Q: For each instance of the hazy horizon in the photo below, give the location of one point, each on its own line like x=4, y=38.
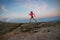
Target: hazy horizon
x=20, y=9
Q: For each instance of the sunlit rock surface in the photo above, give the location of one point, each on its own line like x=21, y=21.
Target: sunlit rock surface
x=30, y=31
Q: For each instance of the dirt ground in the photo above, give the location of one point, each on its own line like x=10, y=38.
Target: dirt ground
x=44, y=33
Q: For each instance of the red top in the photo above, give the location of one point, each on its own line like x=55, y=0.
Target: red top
x=31, y=13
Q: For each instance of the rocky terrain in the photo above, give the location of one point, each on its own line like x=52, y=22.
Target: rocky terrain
x=30, y=31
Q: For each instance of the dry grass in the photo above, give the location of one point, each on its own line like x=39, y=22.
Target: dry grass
x=29, y=31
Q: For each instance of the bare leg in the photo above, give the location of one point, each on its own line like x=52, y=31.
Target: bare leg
x=30, y=20
x=34, y=20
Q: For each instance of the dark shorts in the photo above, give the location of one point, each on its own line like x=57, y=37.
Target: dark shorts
x=31, y=16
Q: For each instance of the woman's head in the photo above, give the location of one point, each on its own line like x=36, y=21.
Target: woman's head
x=31, y=11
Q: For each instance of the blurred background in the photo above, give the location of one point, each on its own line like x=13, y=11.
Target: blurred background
x=17, y=11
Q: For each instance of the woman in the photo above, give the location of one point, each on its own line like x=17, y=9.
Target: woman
x=32, y=15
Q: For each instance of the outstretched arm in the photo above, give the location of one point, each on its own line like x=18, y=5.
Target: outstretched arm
x=34, y=15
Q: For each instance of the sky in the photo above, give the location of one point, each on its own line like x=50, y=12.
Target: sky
x=16, y=9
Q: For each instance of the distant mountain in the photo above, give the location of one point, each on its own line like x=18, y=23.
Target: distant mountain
x=53, y=19
x=20, y=20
